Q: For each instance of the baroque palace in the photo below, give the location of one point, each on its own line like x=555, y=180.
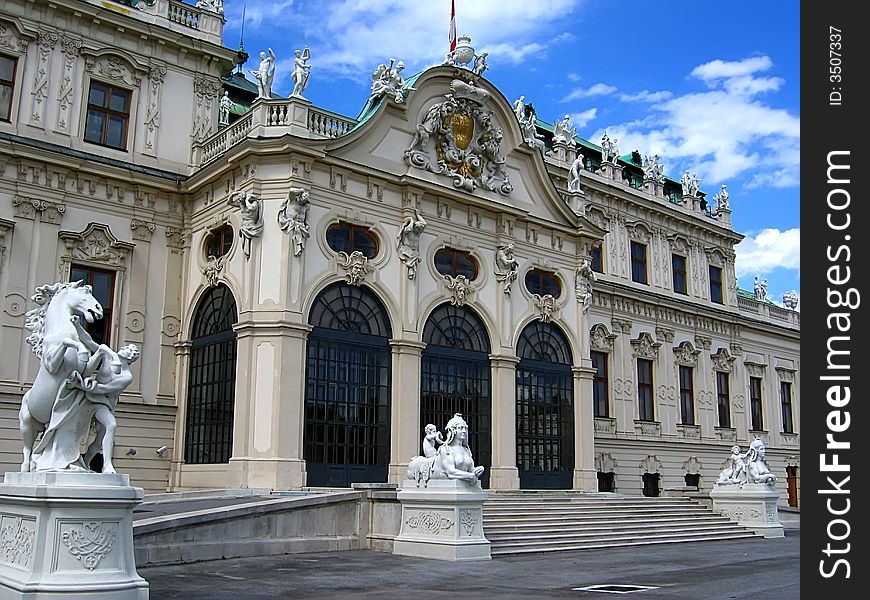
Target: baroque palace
x=309, y=290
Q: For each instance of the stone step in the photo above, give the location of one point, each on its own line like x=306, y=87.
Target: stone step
x=544, y=528
x=498, y=550
x=605, y=533
x=556, y=521
x=598, y=514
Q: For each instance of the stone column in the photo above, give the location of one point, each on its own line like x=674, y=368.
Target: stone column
x=585, y=475
x=182, y=366
x=406, y=433
x=504, y=474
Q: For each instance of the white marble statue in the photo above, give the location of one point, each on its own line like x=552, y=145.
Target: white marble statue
x=653, y=169
x=756, y=465
x=224, y=109
x=56, y=405
x=251, y=208
x=388, y=80
x=506, y=266
x=564, y=131
x=480, y=64
x=735, y=472
x=431, y=440
x=528, y=119
x=690, y=183
x=722, y=198
x=301, y=71
x=575, y=172
x=760, y=289
x=609, y=148
x=215, y=6
x=293, y=217
x=408, y=242
x=265, y=75
x=583, y=278
x=451, y=460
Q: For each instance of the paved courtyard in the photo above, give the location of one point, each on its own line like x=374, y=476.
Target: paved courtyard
x=730, y=570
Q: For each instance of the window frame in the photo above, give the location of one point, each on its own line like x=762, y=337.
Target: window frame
x=597, y=262
x=645, y=390
x=220, y=231
x=716, y=285
x=787, y=403
x=600, y=384
x=683, y=272
x=11, y=85
x=455, y=270
x=541, y=274
x=353, y=228
x=687, y=394
x=108, y=112
x=723, y=398
x=107, y=323
x=756, y=403
x=639, y=263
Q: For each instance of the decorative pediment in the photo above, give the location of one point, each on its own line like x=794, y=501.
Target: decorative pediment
x=13, y=38
x=755, y=369
x=646, y=347
x=597, y=216
x=96, y=244
x=686, y=355
x=638, y=231
x=692, y=465
x=605, y=463
x=722, y=360
x=457, y=138
x=715, y=256
x=600, y=338
x=785, y=374
x=113, y=67
x=679, y=244
x=651, y=464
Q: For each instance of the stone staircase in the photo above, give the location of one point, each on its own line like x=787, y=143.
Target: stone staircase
x=545, y=521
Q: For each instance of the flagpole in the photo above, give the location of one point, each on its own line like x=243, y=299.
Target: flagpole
x=451, y=34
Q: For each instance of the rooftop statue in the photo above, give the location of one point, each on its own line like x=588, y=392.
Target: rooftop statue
x=528, y=119
x=722, y=199
x=690, y=184
x=609, y=148
x=388, y=80
x=215, y=6
x=301, y=71
x=451, y=459
x=224, y=109
x=564, y=131
x=653, y=169
x=265, y=74
x=480, y=64
x=575, y=172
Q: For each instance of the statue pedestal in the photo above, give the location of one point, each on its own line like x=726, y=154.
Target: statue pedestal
x=752, y=505
x=443, y=521
x=68, y=535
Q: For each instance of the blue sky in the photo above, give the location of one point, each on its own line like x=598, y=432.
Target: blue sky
x=710, y=86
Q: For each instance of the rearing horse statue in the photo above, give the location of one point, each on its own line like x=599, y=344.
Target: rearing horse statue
x=56, y=342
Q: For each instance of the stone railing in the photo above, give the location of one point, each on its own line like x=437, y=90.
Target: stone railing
x=185, y=14
x=187, y=19
x=766, y=310
x=273, y=118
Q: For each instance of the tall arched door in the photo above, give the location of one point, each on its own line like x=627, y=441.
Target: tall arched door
x=347, y=391
x=456, y=377
x=545, y=413
x=211, y=381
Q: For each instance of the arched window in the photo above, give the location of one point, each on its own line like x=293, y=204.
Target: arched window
x=545, y=408
x=347, y=237
x=449, y=261
x=543, y=283
x=347, y=391
x=456, y=377
x=208, y=437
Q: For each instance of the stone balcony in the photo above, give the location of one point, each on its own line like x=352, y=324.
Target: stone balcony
x=769, y=312
x=273, y=118
x=175, y=15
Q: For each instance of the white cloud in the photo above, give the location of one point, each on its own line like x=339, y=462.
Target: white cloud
x=723, y=132
x=581, y=119
x=646, y=96
x=769, y=249
x=720, y=69
x=599, y=89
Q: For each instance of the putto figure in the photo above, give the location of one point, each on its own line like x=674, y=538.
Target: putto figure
x=451, y=460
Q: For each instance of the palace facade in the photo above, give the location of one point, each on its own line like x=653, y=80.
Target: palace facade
x=309, y=290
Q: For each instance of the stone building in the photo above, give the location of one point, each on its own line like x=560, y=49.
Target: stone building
x=309, y=290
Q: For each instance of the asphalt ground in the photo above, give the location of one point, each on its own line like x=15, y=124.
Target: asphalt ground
x=753, y=569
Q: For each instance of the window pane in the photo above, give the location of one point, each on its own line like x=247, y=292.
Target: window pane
x=98, y=95
x=116, y=134
x=102, y=283
x=120, y=101
x=7, y=68
x=338, y=237
x=5, y=102
x=596, y=260
x=94, y=127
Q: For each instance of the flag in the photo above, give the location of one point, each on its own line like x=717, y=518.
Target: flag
x=452, y=33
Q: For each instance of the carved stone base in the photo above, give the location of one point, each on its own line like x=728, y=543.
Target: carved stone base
x=68, y=535
x=752, y=505
x=443, y=521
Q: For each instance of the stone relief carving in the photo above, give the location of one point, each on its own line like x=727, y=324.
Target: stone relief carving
x=468, y=519
x=755, y=370
x=545, y=305
x=251, y=209
x=429, y=522
x=156, y=75
x=651, y=464
x=583, y=278
x=114, y=69
x=408, y=242
x=17, y=535
x=177, y=237
x=692, y=465
x=600, y=339
x=293, y=217
x=686, y=355
x=10, y=41
x=356, y=264
x=142, y=230
x=213, y=269
x=90, y=541
x=458, y=138
x=205, y=93
x=28, y=208
x=41, y=79
x=645, y=347
x=459, y=288
x=786, y=375
x=452, y=459
x=506, y=266
x=605, y=463
x=70, y=48
x=96, y=244
x=722, y=360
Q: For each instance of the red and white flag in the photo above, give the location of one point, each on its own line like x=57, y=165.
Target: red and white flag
x=452, y=33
